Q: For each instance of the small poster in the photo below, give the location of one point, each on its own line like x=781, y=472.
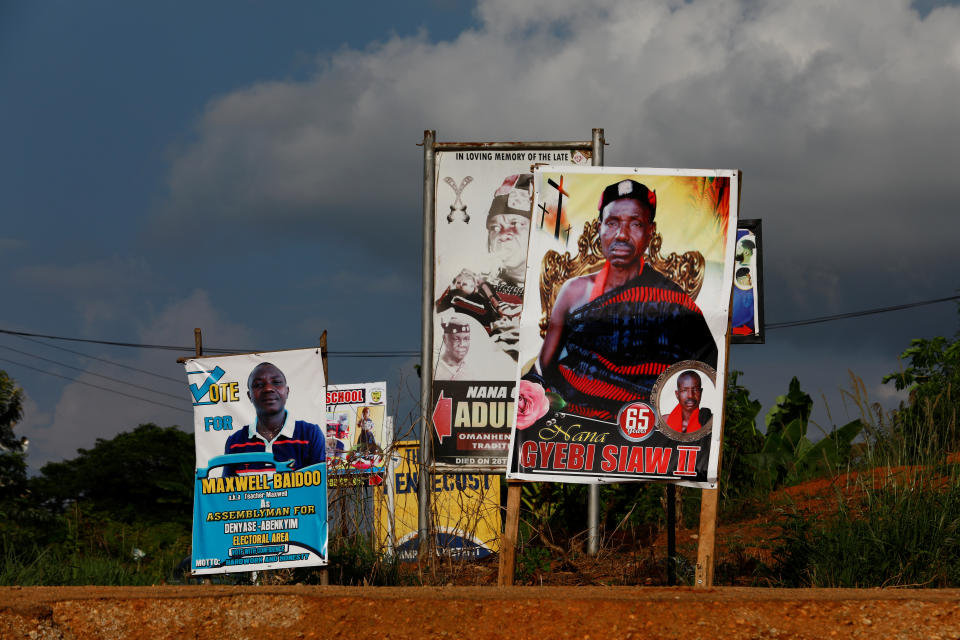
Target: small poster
x=260, y=495
x=356, y=432
x=746, y=315
x=624, y=326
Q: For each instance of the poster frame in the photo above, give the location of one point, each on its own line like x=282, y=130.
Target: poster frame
x=427, y=380
x=712, y=468
x=430, y=148
x=219, y=460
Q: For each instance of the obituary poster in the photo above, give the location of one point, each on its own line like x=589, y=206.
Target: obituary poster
x=624, y=327
x=746, y=316
x=483, y=216
x=260, y=488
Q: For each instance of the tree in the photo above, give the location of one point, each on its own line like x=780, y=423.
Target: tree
x=928, y=423
x=13, y=466
x=144, y=475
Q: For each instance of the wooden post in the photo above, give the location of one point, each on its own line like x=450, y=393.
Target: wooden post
x=707, y=541
x=671, y=535
x=324, y=572
x=198, y=351
x=323, y=357
x=508, y=543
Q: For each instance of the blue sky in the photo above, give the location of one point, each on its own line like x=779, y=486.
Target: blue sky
x=251, y=168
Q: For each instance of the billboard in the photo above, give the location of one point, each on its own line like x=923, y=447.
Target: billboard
x=483, y=215
x=356, y=433
x=466, y=510
x=746, y=314
x=624, y=327
x=260, y=494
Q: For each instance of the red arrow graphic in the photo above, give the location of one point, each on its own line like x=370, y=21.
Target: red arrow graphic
x=443, y=416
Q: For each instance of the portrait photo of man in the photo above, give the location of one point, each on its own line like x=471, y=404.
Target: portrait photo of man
x=688, y=415
x=274, y=430
x=454, y=350
x=613, y=332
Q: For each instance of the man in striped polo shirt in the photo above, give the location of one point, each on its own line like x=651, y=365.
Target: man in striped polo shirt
x=612, y=333
x=275, y=430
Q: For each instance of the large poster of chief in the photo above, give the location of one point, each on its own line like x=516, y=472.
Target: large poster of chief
x=624, y=327
x=260, y=495
x=483, y=219
x=356, y=431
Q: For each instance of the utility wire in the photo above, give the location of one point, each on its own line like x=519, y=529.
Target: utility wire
x=112, y=362
x=410, y=353
x=350, y=354
x=108, y=342
x=118, y=381
x=857, y=314
x=406, y=353
x=96, y=386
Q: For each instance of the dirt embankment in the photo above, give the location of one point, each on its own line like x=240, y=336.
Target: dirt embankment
x=475, y=613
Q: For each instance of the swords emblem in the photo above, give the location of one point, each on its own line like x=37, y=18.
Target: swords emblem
x=458, y=207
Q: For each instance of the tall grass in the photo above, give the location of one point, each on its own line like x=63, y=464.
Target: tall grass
x=87, y=549
x=898, y=519
x=55, y=566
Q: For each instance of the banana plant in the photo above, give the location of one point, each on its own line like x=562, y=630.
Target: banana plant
x=788, y=455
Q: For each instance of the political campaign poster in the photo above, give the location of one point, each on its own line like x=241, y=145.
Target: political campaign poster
x=465, y=510
x=483, y=216
x=356, y=433
x=624, y=327
x=260, y=488
x=746, y=314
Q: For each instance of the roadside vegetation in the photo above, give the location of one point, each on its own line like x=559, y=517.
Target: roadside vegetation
x=871, y=502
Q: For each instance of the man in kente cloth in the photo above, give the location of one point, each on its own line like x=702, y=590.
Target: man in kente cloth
x=611, y=333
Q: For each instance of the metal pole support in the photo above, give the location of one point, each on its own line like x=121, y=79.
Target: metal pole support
x=593, y=502
x=426, y=343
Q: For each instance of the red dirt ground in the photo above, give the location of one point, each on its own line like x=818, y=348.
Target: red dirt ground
x=591, y=609
x=474, y=613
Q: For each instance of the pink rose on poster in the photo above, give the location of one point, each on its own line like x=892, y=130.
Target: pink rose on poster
x=532, y=403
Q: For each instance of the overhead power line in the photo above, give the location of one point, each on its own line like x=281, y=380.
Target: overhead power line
x=404, y=353
x=857, y=314
x=105, y=360
x=410, y=353
x=68, y=366
x=348, y=354
x=96, y=386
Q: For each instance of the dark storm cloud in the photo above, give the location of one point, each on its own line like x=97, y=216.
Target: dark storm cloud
x=841, y=116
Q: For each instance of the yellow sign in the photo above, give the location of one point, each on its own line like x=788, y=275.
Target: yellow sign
x=465, y=509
